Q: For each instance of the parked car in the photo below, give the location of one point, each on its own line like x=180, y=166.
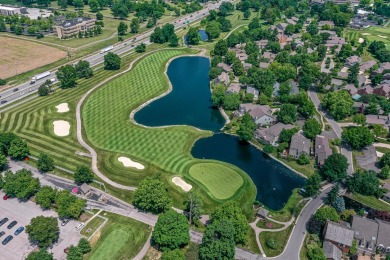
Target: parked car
x=64, y=222
x=5, y=197
x=2, y=233
x=7, y=239
x=18, y=231
x=3, y=221
x=12, y=224
x=80, y=226
x=66, y=250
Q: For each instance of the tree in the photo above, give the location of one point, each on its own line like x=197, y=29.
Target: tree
x=365, y=183
x=379, y=130
x=333, y=194
x=83, y=175
x=218, y=95
x=193, y=36
x=303, y=159
x=99, y=16
x=335, y=167
x=134, y=25
x=247, y=14
x=268, y=149
x=43, y=231
x=316, y=253
x=43, y=90
x=120, y=10
x=18, y=149
x=384, y=173
x=78, y=3
x=359, y=119
x=68, y=205
x=45, y=163
x=3, y=161
x=311, y=128
x=122, y=28
x=385, y=160
x=151, y=195
x=84, y=246
x=313, y=185
x=238, y=68
x=21, y=184
x=218, y=241
x=173, y=42
x=221, y=48
x=45, y=197
x=347, y=214
x=287, y=114
x=176, y=254
x=94, y=5
x=286, y=134
x=226, y=8
x=213, y=30
x=171, y=231
x=63, y=4
x=358, y=137
x=339, y=104
x=140, y=48
x=83, y=69
x=339, y=204
x=193, y=205
x=112, y=61
x=42, y=254
x=67, y=76
x=232, y=212
x=247, y=128
x=231, y=101
x=74, y=253
x=312, y=28
x=326, y=213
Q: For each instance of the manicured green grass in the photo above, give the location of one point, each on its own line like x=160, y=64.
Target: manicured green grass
x=280, y=238
x=264, y=224
x=292, y=207
x=222, y=182
x=371, y=201
x=374, y=33
x=251, y=243
x=93, y=225
x=120, y=238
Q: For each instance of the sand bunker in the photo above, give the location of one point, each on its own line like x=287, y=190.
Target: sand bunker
x=379, y=154
x=127, y=162
x=361, y=40
x=61, y=128
x=182, y=184
x=62, y=108
x=366, y=33
x=382, y=36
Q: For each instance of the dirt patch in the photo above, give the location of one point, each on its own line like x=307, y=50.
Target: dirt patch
x=93, y=240
x=18, y=56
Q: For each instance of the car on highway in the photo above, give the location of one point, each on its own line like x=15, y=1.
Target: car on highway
x=3, y=221
x=15, y=89
x=7, y=239
x=18, y=231
x=3, y=102
x=12, y=224
x=2, y=233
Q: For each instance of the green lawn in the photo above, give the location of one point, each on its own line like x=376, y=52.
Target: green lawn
x=120, y=238
x=280, y=238
x=371, y=201
x=268, y=224
x=222, y=182
x=292, y=207
x=92, y=225
x=373, y=33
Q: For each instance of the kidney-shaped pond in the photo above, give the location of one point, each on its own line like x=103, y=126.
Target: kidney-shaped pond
x=189, y=104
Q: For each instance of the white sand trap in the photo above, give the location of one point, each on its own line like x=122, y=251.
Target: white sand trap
x=366, y=34
x=127, y=162
x=62, y=108
x=182, y=184
x=61, y=128
x=385, y=37
x=361, y=40
x=379, y=154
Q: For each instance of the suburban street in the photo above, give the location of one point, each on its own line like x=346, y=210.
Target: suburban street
x=20, y=91
x=346, y=151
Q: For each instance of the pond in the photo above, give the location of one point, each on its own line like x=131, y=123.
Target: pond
x=203, y=36
x=189, y=104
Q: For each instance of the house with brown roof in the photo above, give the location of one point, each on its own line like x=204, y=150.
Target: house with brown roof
x=261, y=114
x=299, y=145
x=224, y=66
x=269, y=55
x=382, y=68
x=261, y=44
x=382, y=90
x=350, y=61
x=271, y=134
x=338, y=235
x=365, y=90
x=331, y=251
x=335, y=41
x=223, y=78
x=366, y=66
x=321, y=149
x=352, y=90
x=233, y=88
x=322, y=23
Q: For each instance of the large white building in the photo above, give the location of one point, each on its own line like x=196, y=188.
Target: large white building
x=11, y=10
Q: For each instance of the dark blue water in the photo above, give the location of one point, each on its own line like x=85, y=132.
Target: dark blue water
x=189, y=104
x=273, y=180
x=189, y=101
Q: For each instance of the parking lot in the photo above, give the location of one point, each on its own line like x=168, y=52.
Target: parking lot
x=23, y=212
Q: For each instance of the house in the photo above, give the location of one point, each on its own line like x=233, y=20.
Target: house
x=352, y=90
x=223, y=78
x=338, y=235
x=270, y=56
x=382, y=68
x=362, y=80
x=335, y=41
x=322, y=149
x=72, y=27
x=233, y=88
x=262, y=213
x=377, y=120
x=328, y=23
x=85, y=189
x=264, y=65
x=371, y=235
x=382, y=90
x=299, y=145
x=386, y=197
x=331, y=251
x=261, y=44
x=246, y=65
x=271, y=134
x=281, y=27
x=331, y=33
x=276, y=86
x=242, y=56
x=262, y=116
x=366, y=66
x=350, y=61
x=365, y=90
x=252, y=90
x=224, y=66
x=291, y=21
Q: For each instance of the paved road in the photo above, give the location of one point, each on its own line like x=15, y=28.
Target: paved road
x=346, y=151
x=22, y=90
x=298, y=234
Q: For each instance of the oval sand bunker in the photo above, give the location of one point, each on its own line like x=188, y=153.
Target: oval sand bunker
x=127, y=162
x=62, y=108
x=182, y=184
x=61, y=128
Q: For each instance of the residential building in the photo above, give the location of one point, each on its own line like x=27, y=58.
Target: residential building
x=382, y=90
x=233, y=88
x=365, y=90
x=72, y=27
x=12, y=10
x=264, y=65
x=321, y=149
x=350, y=61
x=271, y=134
x=261, y=44
x=352, y=90
x=223, y=78
x=377, y=120
x=331, y=251
x=366, y=66
x=335, y=41
x=338, y=235
x=322, y=23
x=252, y=90
x=261, y=115
x=299, y=145
x=269, y=55
x=385, y=66
x=224, y=66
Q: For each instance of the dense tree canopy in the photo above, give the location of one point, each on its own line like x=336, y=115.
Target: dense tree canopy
x=193, y=36
x=335, y=167
x=45, y=197
x=311, y=128
x=83, y=174
x=43, y=231
x=18, y=149
x=68, y=205
x=313, y=185
x=366, y=183
x=21, y=185
x=112, y=61
x=67, y=76
x=42, y=254
x=247, y=128
x=339, y=104
x=358, y=137
x=287, y=114
x=151, y=195
x=45, y=163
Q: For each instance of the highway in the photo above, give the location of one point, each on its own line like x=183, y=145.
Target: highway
x=20, y=91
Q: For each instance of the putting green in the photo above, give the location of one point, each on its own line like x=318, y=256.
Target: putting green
x=222, y=182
